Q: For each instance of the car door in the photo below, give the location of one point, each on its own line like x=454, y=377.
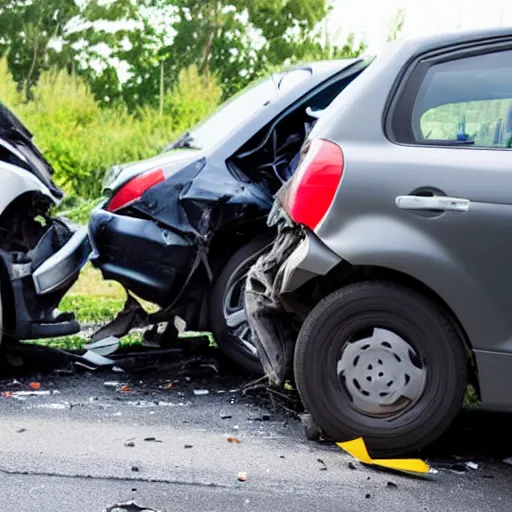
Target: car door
x=453, y=123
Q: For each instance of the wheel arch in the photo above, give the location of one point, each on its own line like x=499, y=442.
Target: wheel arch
x=376, y=273
x=222, y=247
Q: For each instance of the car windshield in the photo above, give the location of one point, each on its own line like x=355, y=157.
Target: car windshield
x=240, y=108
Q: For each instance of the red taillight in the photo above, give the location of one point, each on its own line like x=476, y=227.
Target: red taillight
x=134, y=189
x=314, y=184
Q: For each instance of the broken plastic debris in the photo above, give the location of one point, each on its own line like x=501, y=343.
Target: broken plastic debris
x=129, y=506
x=126, y=389
x=34, y=385
x=111, y=383
x=357, y=448
x=104, y=347
x=233, y=440
x=15, y=394
x=508, y=461
x=152, y=440
x=472, y=465
x=242, y=476
x=200, y=392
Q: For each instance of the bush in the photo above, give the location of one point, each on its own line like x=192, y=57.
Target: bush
x=82, y=140
x=192, y=99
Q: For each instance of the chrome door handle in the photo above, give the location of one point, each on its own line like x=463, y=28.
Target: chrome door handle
x=440, y=203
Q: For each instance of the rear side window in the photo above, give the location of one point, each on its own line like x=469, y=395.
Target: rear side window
x=461, y=102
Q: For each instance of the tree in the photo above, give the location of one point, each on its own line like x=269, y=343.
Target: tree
x=397, y=25
x=73, y=34
x=233, y=39
x=27, y=29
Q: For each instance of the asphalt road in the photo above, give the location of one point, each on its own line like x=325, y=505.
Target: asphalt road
x=84, y=450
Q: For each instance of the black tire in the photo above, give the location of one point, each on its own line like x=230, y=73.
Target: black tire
x=333, y=324
x=236, y=267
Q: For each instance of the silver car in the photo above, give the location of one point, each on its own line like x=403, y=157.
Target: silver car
x=389, y=286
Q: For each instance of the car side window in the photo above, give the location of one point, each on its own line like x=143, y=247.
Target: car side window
x=466, y=101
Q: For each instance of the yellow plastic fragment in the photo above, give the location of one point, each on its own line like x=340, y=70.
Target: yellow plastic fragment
x=357, y=449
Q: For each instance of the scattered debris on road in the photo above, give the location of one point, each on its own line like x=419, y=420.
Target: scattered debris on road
x=129, y=506
x=24, y=394
x=34, y=385
x=201, y=392
x=242, y=476
x=323, y=465
x=112, y=384
x=152, y=440
x=233, y=440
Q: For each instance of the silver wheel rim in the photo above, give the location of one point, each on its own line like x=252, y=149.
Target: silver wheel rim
x=234, y=314
x=381, y=373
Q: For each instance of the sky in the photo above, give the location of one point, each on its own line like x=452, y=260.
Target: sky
x=371, y=19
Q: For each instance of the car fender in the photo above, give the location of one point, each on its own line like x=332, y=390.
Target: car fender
x=17, y=181
x=385, y=242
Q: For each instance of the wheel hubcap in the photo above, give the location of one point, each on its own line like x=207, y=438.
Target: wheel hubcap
x=381, y=373
x=234, y=314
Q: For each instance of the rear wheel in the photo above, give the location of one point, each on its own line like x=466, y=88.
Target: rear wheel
x=380, y=361
x=227, y=306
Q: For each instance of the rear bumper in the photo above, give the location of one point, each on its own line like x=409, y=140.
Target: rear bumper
x=149, y=260
x=309, y=259
x=296, y=257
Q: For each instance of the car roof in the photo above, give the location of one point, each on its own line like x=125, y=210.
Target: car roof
x=425, y=43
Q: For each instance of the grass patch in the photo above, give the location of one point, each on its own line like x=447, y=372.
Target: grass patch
x=91, y=284
x=92, y=310
x=77, y=341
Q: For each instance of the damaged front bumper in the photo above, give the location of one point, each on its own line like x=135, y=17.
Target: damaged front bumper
x=273, y=310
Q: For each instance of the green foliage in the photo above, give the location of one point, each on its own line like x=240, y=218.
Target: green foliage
x=29, y=30
x=192, y=98
x=77, y=209
x=92, y=310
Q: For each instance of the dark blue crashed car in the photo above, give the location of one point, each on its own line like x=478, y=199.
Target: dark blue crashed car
x=182, y=229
